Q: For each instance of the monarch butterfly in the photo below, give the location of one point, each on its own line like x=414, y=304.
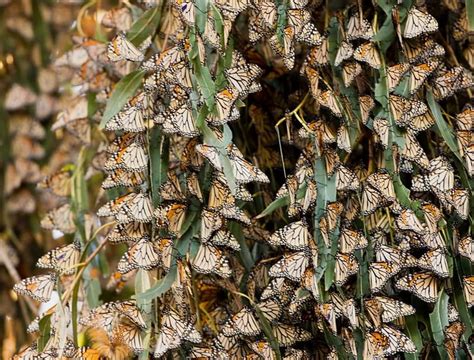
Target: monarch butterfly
x=332, y=215
x=292, y=266
x=422, y=285
x=458, y=199
x=61, y=219
x=18, y=97
x=27, y=126
x=164, y=247
x=421, y=50
x=440, y=174
x=141, y=255
x=382, y=129
x=130, y=119
x=310, y=283
x=297, y=18
x=433, y=241
x=344, y=52
x=358, y=28
x=421, y=122
x=309, y=34
x=166, y=59
x=174, y=330
x=418, y=23
x=127, y=208
x=328, y=99
x=130, y=158
x=407, y=220
x=38, y=287
x=61, y=259
x=180, y=120
x=369, y=54
x=25, y=147
x=387, y=309
x=231, y=9
x=280, y=287
x=241, y=77
x=448, y=82
x=346, y=265
x=366, y=104
x=465, y=119
x=343, y=139
x=170, y=190
x=58, y=183
x=435, y=261
x=226, y=111
x=122, y=177
x=382, y=181
x=295, y=236
x=286, y=51
x=380, y=273
x=210, y=259
x=210, y=35
x=130, y=232
x=298, y=4
x=350, y=240
x=319, y=55
x=328, y=312
x=432, y=215
x=268, y=12
x=171, y=217
x=385, y=341
x=466, y=247
x=225, y=238
x=419, y=73
x=463, y=138
x=120, y=48
x=220, y=196
x=372, y=199
x=350, y=71
x=412, y=151
x=105, y=316
x=242, y=323
x=346, y=179
x=452, y=335
x=403, y=259
x=263, y=349
x=210, y=222
x=468, y=287
x=395, y=74
x=288, y=335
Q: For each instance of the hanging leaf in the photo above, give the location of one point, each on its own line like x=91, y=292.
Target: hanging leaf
x=123, y=91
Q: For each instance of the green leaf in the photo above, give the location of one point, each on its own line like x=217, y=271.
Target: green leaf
x=443, y=128
x=123, y=91
x=245, y=254
x=386, y=34
x=159, y=157
x=142, y=284
x=144, y=26
x=470, y=14
x=415, y=336
x=206, y=85
x=267, y=329
x=161, y=286
x=274, y=205
x=44, y=331
x=438, y=322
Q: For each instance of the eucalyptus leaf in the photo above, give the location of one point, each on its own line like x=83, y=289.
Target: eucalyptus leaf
x=439, y=321
x=145, y=26
x=123, y=91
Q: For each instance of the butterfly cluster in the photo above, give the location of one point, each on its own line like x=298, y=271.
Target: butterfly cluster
x=376, y=206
